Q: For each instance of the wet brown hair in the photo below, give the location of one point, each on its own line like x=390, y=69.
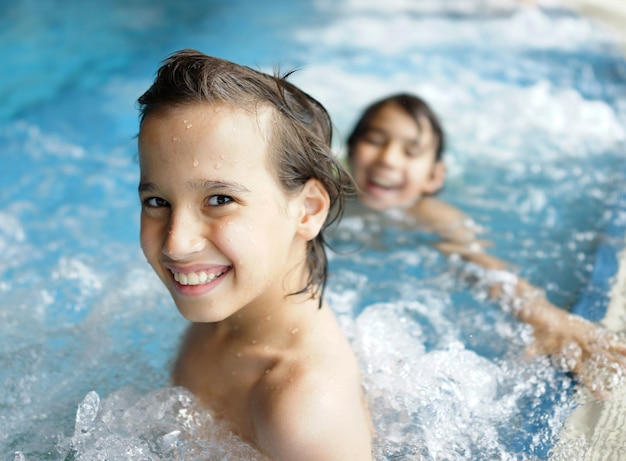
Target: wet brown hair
x=300, y=130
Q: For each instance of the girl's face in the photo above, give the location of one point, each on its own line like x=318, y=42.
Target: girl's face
x=215, y=225
x=393, y=163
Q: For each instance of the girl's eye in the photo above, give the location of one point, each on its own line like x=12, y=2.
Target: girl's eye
x=219, y=200
x=155, y=202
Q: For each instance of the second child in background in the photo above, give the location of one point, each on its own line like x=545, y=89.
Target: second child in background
x=395, y=154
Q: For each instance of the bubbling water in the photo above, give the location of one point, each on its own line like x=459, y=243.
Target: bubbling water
x=446, y=378
x=163, y=424
x=532, y=100
x=427, y=403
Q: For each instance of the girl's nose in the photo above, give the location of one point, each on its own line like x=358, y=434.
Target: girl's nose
x=184, y=237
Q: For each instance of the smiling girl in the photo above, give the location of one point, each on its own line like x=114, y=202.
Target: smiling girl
x=237, y=184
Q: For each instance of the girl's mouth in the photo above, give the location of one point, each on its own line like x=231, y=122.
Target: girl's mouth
x=197, y=278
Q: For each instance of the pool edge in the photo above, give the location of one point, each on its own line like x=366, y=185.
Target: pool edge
x=590, y=432
x=610, y=13
x=615, y=317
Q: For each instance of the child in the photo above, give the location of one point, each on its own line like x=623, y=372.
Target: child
x=237, y=180
x=395, y=153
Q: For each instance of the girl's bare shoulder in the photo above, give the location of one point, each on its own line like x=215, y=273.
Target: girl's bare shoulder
x=312, y=402
x=313, y=410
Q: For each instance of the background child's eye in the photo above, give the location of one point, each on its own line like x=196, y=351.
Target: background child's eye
x=217, y=200
x=413, y=153
x=374, y=140
x=155, y=202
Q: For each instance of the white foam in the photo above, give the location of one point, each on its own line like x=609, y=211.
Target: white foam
x=164, y=424
x=432, y=396
x=13, y=241
x=343, y=54
x=388, y=30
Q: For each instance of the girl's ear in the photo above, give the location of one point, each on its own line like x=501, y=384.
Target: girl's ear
x=437, y=178
x=315, y=204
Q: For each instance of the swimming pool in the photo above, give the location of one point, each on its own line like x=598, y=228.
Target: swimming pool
x=533, y=102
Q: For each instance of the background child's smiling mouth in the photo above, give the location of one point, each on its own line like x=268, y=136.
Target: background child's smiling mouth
x=380, y=181
x=381, y=186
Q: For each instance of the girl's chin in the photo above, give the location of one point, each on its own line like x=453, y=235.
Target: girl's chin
x=200, y=316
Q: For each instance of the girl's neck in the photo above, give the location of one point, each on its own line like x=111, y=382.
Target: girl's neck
x=272, y=319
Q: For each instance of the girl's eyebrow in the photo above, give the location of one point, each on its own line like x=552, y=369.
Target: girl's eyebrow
x=202, y=184
x=221, y=185
x=146, y=187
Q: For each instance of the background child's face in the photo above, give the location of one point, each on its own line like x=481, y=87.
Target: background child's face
x=215, y=225
x=393, y=163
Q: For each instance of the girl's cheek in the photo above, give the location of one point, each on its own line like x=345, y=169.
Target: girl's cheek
x=229, y=233
x=151, y=234
x=147, y=241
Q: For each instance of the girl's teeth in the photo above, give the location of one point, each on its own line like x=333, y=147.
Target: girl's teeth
x=194, y=278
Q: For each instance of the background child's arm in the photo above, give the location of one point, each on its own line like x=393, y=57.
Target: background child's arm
x=585, y=348
x=595, y=355
x=447, y=221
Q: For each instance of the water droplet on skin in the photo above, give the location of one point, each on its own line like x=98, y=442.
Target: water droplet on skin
x=195, y=162
x=175, y=139
x=189, y=125
x=295, y=331
x=217, y=165
x=266, y=348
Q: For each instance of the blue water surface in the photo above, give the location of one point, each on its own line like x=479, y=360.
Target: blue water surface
x=533, y=102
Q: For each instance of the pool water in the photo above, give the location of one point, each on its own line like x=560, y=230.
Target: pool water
x=533, y=102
